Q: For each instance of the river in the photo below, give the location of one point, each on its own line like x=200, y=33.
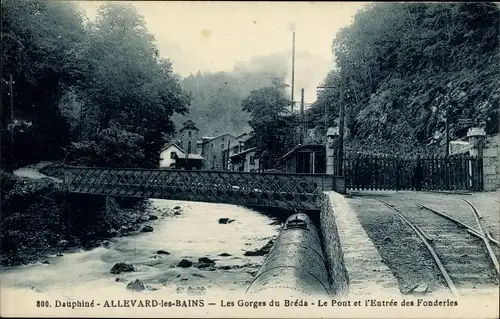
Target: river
x=193, y=234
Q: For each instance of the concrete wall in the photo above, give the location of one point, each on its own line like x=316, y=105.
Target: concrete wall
x=334, y=258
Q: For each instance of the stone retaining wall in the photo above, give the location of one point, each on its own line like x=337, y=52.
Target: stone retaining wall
x=334, y=259
x=354, y=264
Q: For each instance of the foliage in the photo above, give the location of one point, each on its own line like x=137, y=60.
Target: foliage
x=75, y=79
x=405, y=67
x=42, y=47
x=273, y=126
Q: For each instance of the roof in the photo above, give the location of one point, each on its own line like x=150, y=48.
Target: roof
x=191, y=156
x=244, y=152
x=189, y=125
x=172, y=144
x=208, y=139
x=299, y=147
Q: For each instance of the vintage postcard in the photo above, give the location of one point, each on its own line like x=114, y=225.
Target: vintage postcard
x=250, y=159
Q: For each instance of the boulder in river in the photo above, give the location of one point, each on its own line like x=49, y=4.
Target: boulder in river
x=136, y=285
x=162, y=252
x=153, y=217
x=224, y=255
x=185, y=263
x=204, y=262
x=118, y=268
x=146, y=229
x=223, y=220
x=177, y=213
x=177, y=207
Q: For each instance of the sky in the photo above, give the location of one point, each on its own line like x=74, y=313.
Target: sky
x=214, y=36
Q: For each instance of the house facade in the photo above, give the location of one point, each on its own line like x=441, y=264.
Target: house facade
x=183, y=153
x=213, y=150
x=242, y=157
x=244, y=161
x=169, y=155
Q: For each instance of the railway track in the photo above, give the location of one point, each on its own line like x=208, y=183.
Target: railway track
x=463, y=254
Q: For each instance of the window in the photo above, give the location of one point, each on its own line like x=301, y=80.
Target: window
x=212, y=145
x=223, y=139
x=252, y=160
x=173, y=155
x=222, y=146
x=189, y=133
x=189, y=146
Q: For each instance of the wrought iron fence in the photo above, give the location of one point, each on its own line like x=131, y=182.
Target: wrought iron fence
x=430, y=173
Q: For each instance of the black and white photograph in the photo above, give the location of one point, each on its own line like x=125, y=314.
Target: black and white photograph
x=250, y=159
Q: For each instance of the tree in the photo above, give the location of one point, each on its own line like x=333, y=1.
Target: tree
x=272, y=123
x=131, y=88
x=43, y=43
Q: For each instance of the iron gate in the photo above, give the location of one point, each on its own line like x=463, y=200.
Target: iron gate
x=394, y=173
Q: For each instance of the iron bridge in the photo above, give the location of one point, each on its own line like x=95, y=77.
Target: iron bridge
x=287, y=191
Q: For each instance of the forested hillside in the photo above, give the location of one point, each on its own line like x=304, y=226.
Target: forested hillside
x=407, y=67
x=217, y=97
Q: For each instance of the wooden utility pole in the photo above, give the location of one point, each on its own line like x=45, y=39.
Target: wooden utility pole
x=326, y=105
x=302, y=123
x=340, y=157
x=447, y=129
x=11, y=92
x=293, y=69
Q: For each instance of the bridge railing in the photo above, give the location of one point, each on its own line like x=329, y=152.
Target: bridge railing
x=292, y=191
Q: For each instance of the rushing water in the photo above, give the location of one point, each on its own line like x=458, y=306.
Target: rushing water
x=194, y=234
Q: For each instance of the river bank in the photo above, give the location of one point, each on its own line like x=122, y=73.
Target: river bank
x=40, y=219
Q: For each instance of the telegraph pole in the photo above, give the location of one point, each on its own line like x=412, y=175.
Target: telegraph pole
x=447, y=129
x=341, y=125
x=11, y=93
x=302, y=124
x=326, y=105
x=293, y=68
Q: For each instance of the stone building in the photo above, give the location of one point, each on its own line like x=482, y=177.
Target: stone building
x=212, y=150
x=187, y=137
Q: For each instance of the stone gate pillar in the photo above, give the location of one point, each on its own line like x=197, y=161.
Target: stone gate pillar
x=331, y=149
x=476, y=137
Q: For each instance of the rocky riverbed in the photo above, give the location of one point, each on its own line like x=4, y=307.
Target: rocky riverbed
x=184, y=248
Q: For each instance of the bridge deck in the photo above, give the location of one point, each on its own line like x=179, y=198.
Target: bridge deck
x=289, y=191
